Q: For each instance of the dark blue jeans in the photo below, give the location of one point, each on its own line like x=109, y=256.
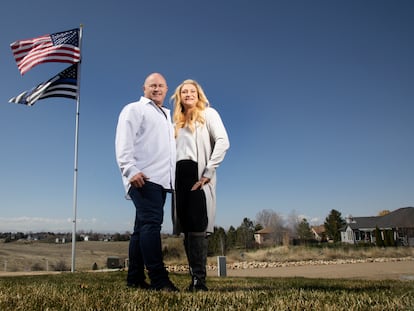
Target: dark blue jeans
x=145, y=245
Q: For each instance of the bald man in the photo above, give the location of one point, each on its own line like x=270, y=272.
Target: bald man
x=145, y=153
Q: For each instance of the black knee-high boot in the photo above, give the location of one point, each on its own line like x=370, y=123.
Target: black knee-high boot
x=196, y=246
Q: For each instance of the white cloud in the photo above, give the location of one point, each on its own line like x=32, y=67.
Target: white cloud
x=38, y=224
x=316, y=221
x=313, y=221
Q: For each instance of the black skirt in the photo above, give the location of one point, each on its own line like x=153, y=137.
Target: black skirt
x=191, y=205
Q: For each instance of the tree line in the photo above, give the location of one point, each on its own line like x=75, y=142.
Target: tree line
x=293, y=230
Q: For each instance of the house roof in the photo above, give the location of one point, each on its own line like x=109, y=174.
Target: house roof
x=363, y=222
x=400, y=218
x=318, y=229
x=265, y=231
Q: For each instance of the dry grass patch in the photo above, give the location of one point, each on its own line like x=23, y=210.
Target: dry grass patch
x=39, y=256
x=303, y=253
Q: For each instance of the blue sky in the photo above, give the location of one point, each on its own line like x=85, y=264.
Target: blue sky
x=317, y=97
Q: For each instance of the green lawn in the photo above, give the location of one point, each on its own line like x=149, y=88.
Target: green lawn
x=107, y=291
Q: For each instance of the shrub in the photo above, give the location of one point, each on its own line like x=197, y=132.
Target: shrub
x=37, y=267
x=61, y=266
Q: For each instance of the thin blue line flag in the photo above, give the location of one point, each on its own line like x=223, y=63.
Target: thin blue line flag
x=64, y=84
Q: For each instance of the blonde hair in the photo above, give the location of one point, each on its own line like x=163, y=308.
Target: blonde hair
x=182, y=120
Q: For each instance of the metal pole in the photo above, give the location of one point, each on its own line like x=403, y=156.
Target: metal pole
x=75, y=173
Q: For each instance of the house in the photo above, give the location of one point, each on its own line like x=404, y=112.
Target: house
x=270, y=237
x=263, y=235
x=399, y=224
x=318, y=232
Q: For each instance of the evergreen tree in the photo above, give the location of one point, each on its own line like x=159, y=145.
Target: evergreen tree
x=231, y=238
x=245, y=234
x=392, y=240
x=378, y=237
x=333, y=224
x=258, y=227
x=389, y=238
x=304, y=231
x=217, y=242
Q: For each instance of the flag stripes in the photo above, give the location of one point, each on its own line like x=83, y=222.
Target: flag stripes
x=60, y=47
x=63, y=84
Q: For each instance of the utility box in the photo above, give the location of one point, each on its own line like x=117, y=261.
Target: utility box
x=221, y=266
x=113, y=262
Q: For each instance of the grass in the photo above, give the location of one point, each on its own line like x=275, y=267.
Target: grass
x=36, y=256
x=24, y=256
x=107, y=291
x=303, y=253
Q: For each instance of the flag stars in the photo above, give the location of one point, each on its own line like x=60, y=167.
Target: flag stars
x=67, y=37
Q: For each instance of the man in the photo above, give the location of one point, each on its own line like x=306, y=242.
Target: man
x=145, y=153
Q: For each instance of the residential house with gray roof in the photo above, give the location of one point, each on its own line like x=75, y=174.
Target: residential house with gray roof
x=400, y=223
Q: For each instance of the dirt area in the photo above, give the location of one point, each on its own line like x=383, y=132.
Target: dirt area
x=399, y=270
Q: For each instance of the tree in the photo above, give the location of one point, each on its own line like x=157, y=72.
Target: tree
x=269, y=219
x=293, y=221
x=304, y=231
x=378, y=237
x=258, y=227
x=389, y=238
x=383, y=212
x=231, y=238
x=245, y=234
x=217, y=242
x=333, y=224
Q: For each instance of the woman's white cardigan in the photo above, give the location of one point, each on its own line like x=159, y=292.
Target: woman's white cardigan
x=212, y=143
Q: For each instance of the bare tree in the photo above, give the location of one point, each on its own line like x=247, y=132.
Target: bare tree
x=293, y=222
x=269, y=219
x=383, y=212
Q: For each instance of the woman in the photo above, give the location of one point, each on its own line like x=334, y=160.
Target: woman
x=202, y=143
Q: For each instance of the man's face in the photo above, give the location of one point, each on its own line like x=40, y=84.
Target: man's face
x=155, y=88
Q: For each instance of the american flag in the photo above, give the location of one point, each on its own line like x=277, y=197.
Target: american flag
x=62, y=47
x=63, y=84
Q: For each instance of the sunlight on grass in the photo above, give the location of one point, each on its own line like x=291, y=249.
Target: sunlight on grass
x=107, y=291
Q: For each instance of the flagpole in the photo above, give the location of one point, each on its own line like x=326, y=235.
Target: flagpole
x=75, y=172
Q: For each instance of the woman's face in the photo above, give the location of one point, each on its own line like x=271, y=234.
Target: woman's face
x=189, y=96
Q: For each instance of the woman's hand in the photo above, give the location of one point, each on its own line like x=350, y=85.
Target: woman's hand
x=199, y=184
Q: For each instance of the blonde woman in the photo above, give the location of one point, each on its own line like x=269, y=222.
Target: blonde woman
x=202, y=142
